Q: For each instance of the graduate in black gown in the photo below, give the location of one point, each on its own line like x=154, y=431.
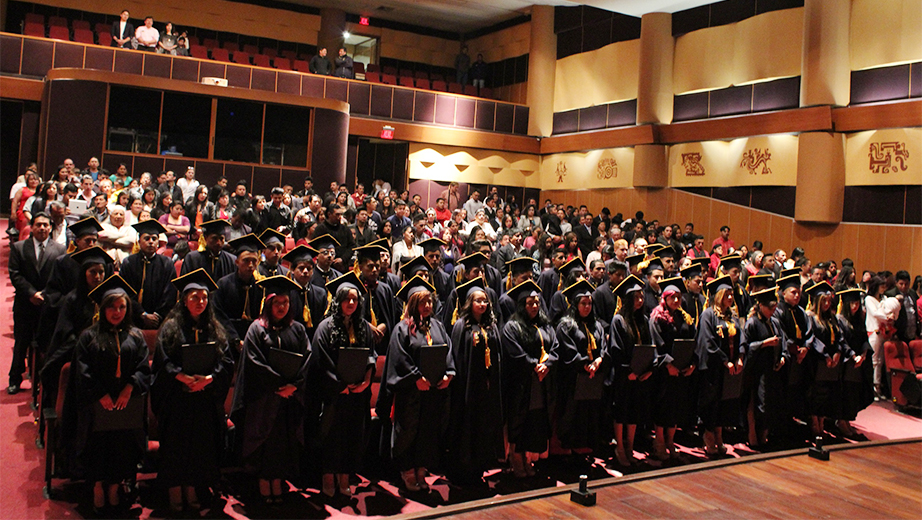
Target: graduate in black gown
x=381, y=309
x=582, y=362
x=653, y=271
x=570, y=273
x=238, y=299
x=272, y=254
x=151, y=274
x=466, y=269
x=632, y=392
x=325, y=246
x=344, y=411
x=829, y=347
x=217, y=262
x=309, y=302
x=475, y=441
x=720, y=365
x=385, y=275
x=432, y=250
x=798, y=332
x=762, y=346
x=674, y=403
x=529, y=346
x=858, y=377
x=112, y=375
x=604, y=301
x=419, y=266
x=549, y=279
x=269, y=396
x=187, y=395
x=731, y=265
x=420, y=406
x=519, y=271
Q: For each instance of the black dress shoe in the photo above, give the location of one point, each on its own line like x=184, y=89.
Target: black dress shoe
x=12, y=389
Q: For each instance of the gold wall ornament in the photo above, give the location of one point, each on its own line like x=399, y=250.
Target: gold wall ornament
x=692, y=163
x=607, y=168
x=754, y=158
x=882, y=157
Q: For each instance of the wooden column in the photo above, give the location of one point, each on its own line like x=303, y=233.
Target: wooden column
x=825, y=75
x=651, y=166
x=654, y=87
x=542, y=67
x=332, y=25
x=820, y=177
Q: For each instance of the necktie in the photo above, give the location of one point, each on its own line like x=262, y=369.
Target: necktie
x=41, y=255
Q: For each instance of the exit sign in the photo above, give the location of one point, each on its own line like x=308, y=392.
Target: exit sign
x=363, y=20
x=387, y=132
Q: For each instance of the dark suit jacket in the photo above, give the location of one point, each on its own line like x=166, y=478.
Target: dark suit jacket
x=129, y=32
x=25, y=274
x=584, y=237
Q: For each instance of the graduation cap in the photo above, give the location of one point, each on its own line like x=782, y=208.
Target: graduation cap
x=760, y=280
x=674, y=284
x=629, y=285
x=369, y=252
x=692, y=270
x=766, y=295
x=730, y=261
x=323, y=242
x=87, y=226
x=349, y=280
x=652, y=249
x=634, y=259
x=525, y=289
x=432, y=244
x=247, y=243
x=473, y=260
x=271, y=236
x=578, y=290
x=196, y=280
x=383, y=242
x=411, y=267
x=299, y=254
x=667, y=252
x=788, y=281
x=415, y=285
x=571, y=265
x=466, y=288
x=521, y=264
x=820, y=289
x=214, y=227
x=92, y=255
x=653, y=264
x=114, y=284
x=149, y=227
x=719, y=283
x=850, y=295
x=789, y=272
x=278, y=284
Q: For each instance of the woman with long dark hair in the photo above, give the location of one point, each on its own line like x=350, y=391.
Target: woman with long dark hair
x=192, y=374
x=476, y=417
x=162, y=207
x=762, y=345
x=196, y=211
x=673, y=405
x=719, y=361
x=270, y=392
x=876, y=320
x=529, y=354
x=344, y=412
x=582, y=361
x=857, y=384
x=112, y=373
x=46, y=193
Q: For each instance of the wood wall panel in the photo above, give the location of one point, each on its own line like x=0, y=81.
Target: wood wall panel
x=849, y=239
x=916, y=251
x=898, y=244
x=740, y=221
x=872, y=240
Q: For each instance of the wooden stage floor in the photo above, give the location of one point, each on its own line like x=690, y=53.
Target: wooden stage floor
x=874, y=480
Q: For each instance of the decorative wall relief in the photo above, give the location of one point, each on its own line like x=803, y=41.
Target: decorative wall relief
x=692, y=163
x=755, y=157
x=888, y=156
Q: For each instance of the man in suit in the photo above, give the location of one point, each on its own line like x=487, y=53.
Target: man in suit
x=585, y=234
x=30, y=266
x=122, y=31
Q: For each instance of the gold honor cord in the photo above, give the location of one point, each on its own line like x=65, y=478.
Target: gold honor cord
x=592, y=346
x=796, y=326
x=486, y=346
x=544, y=355
x=118, y=347
x=306, y=312
x=143, y=278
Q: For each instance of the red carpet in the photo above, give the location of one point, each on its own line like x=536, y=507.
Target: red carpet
x=22, y=465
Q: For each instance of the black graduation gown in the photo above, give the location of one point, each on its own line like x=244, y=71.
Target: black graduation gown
x=858, y=383
x=265, y=270
x=717, y=345
x=442, y=283
x=387, y=310
x=674, y=404
x=217, y=267
x=476, y=416
x=420, y=419
x=506, y=308
x=452, y=304
x=798, y=331
x=558, y=307
x=528, y=402
x=693, y=304
x=109, y=456
x=63, y=279
x=272, y=427
x=393, y=281
x=742, y=300
x=762, y=384
x=316, y=304
x=158, y=295
x=651, y=298
x=825, y=397
x=548, y=281
x=343, y=417
x=233, y=307
x=633, y=400
x=579, y=415
x=192, y=425
x=320, y=280
x=604, y=303
x=75, y=316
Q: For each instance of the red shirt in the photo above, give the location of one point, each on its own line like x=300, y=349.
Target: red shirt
x=442, y=215
x=727, y=244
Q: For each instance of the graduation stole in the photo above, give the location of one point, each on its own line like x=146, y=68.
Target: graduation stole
x=118, y=350
x=371, y=308
x=731, y=329
x=306, y=312
x=146, y=262
x=257, y=276
x=544, y=355
x=486, y=345
x=591, y=346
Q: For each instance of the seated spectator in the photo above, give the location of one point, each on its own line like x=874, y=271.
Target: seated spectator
x=177, y=225
x=117, y=237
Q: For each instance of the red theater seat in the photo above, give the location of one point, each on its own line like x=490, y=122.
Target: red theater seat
x=261, y=60
x=282, y=63
x=241, y=58
x=198, y=51
x=269, y=51
x=406, y=81
x=388, y=79
x=423, y=83
x=290, y=54
x=440, y=86
x=302, y=66
x=455, y=88
x=209, y=43
x=470, y=90
x=84, y=36
x=372, y=77
x=59, y=32
x=35, y=18
x=58, y=21
x=34, y=29
x=220, y=55
x=80, y=24
x=372, y=67
x=251, y=49
x=486, y=93
x=102, y=27
x=231, y=46
x=421, y=75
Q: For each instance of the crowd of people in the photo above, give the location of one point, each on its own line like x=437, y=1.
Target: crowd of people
x=510, y=331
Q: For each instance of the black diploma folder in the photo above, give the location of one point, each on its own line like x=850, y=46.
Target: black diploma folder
x=129, y=418
x=642, y=359
x=433, y=362
x=286, y=363
x=733, y=386
x=198, y=359
x=351, y=365
x=682, y=352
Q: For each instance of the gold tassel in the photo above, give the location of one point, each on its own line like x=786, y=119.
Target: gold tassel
x=135, y=248
x=143, y=277
x=486, y=351
x=356, y=268
x=617, y=304
x=459, y=277
x=454, y=315
x=544, y=355
x=371, y=308
x=560, y=283
x=731, y=328
x=306, y=312
x=96, y=314
x=201, y=242
x=688, y=319
x=591, y=347
x=71, y=248
x=246, y=305
x=642, y=266
x=509, y=281
x=796, y=326
x=118, y=366
x=428, y=338
x=839, y=307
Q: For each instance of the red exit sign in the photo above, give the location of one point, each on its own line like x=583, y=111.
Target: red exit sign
x=363, y=20
x=387, y=132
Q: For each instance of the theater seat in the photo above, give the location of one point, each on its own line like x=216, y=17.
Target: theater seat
x=242, y=58
x=58, y=32
x=34, y=29
x=231, y=46
x=80, y=24
x=372, y=67
x=290, y=54
x=436, y=77
x=440, y=86
x=421, y=75
x=470, y=90
x=251, y=49
x=84, y=36
x=104, y=38
x=269, y=51
x=193, y=40
x=261, y=60
x=455, y=88
x=390, y=70
x=210, y=43
x=372, y=77
x=302, y=66
x=406, y=81
x=282, y=63
x=57, y=21
x=389, y=79
x=102, y=27
x=423, y=83
x=198, y=51
x=485, y=92
x=220, y=55
x=35, y=18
